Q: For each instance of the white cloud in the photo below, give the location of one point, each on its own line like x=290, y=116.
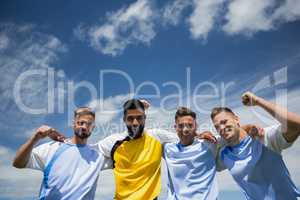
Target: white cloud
x=241, y=16
x=27, y=50
x=12, y=180
x=173, y=11
x=107, y=109
x=204, y=17
x=288, y=11
x=248, y=16
x=138, y=23
x=126, y=26
x=4, y=41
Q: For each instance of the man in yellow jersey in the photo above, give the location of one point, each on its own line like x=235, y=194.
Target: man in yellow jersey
x=137, y=155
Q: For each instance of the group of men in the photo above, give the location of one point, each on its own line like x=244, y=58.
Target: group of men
x=71, y=167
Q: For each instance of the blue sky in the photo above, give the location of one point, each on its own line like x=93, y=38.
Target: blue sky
x=182, y=48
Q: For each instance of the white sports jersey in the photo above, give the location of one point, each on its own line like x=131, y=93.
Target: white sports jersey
x=259, y=169
x=70, y=171
x=191, y=171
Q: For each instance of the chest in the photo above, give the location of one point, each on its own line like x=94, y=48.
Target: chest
x=145, y=151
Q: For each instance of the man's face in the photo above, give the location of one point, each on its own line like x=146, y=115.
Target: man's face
x=186, y=129
x=135, y=122
x=227, y=125
x=84, y=125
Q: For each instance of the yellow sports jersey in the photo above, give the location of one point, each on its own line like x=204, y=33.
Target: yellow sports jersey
x=137, y=168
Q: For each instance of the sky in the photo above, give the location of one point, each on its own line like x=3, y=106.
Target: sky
x=57, y=55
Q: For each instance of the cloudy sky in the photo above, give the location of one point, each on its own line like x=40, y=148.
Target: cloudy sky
x=57, y=55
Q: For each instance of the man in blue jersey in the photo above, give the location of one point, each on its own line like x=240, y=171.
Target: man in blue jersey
x=257, y=165
x=190, y=162
x=71, y=168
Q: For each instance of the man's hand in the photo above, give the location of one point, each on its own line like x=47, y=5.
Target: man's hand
x=24, y=152
x=145, y=103
x=254, y=130
x=206, y=135
x=46, y=131
x=249, y=99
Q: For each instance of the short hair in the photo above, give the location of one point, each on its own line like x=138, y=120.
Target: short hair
x=133, y=104
x=184, y=111
x=215, y=111
x=80, y=111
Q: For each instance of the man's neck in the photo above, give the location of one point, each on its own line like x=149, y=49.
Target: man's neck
x=242, y=135
x=137, y=136
x=77, y=140
x=187, y=143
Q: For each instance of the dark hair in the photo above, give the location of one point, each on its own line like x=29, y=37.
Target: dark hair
x=80, y=111
x=133, y=104
x=184, y=111
x=215, y=111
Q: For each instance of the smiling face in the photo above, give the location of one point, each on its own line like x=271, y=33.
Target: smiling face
x=228, y=126
x=186, y=129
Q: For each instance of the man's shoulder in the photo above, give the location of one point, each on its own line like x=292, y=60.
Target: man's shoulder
x=170, y=145
x=274, y=139
x=106, y=145
x=164, y=136
x=114, y=137
x=48, y=145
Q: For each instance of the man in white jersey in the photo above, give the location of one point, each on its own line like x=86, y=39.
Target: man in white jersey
x=257, y=165
x=190, y=162
x=71, y=168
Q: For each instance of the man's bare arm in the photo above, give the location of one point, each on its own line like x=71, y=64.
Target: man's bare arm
x=289, y=120
x=23, y=153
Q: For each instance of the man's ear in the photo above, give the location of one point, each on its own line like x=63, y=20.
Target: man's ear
x=73, y=124
x=94, y=125
x=237, y=119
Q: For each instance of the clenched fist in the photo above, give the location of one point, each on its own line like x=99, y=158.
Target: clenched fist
x=46, y=131
x=249, y=99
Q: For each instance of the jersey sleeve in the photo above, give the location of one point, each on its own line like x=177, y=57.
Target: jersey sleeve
x=40, y=155
x=163, y=136
x=108, y=163
x=216, y=151
x=274, y=140
x=105, y=145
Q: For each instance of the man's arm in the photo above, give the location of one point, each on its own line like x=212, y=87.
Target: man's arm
x=23, y=154
x=289, y=120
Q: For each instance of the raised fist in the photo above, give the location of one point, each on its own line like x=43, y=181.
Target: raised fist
x=249, y=99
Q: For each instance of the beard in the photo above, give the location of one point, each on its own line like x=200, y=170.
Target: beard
x=82, y=135
x=135, y=132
